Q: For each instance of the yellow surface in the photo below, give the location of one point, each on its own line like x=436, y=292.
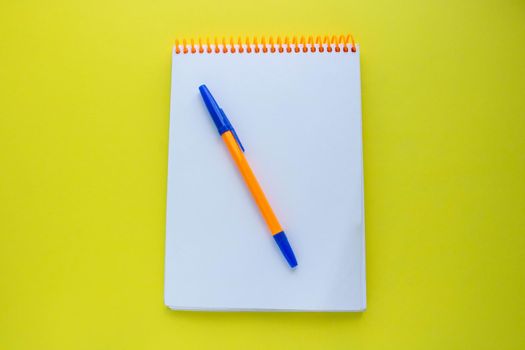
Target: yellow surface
x=84, y=105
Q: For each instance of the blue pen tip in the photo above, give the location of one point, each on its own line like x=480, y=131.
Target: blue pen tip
x=203, y=89
x=214, y=109
x=286, y=249
x=208, y=97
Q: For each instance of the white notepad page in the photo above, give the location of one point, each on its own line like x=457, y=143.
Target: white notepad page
x=298, y=116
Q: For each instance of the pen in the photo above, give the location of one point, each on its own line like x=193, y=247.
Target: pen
x=236, y=149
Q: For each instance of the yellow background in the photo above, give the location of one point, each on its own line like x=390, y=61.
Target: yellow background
x=84, y=108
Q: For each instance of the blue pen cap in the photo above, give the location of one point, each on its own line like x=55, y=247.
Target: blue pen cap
x=217, y=114
x=214, y=109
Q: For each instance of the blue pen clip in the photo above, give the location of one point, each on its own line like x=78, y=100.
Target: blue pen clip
x=230, y=126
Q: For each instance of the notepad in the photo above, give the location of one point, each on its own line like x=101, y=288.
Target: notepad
x=296, y=106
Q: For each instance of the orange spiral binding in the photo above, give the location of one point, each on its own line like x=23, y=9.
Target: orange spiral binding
x=286, y=44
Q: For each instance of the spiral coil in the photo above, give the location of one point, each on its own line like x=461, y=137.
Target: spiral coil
x=286, y=44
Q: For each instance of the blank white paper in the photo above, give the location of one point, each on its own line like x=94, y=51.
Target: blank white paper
x=298, y=116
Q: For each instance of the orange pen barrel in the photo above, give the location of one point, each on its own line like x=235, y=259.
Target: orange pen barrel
x=252, y=183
